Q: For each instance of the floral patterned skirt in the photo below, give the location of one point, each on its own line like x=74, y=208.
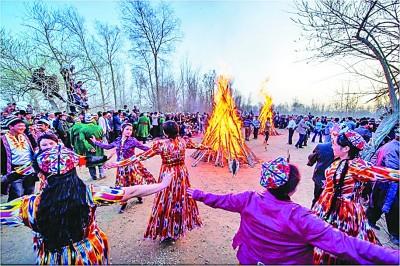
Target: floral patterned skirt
x=131, y=175
x=349, y=217
x=173, y=211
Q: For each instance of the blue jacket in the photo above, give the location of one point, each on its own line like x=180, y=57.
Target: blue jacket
x=388, y=156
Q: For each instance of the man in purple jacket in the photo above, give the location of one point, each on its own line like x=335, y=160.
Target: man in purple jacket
x=275, y=230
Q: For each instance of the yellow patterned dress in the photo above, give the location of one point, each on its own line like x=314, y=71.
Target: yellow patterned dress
x=93, y=249
x=174, y=212
x=348, y=215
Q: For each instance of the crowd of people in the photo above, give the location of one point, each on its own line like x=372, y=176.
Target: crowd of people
x=47, y=147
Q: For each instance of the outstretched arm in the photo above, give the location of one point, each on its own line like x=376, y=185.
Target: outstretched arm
x=103, y=195
x=192, y=145
x=323, y=235
x=229, y=202
x=154, y=150
x=367, y=172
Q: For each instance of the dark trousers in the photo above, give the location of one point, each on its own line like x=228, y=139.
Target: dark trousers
x=291, y=132
x=21, y=187
x=300, y=141
x=266, y=133
x=255, y=132
x=317, y=192
x=319, y=133
x=374, y=212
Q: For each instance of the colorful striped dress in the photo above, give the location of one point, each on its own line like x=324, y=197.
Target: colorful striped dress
x=93, y=249
x=349, y=215
x=174, y=212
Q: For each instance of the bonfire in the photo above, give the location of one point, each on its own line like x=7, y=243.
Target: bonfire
x=267, y=114
x=223, y=134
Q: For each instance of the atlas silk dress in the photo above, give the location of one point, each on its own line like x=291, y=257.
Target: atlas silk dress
x=133, y=174
x=94, y=247
x=349, y=215
x=173, y=212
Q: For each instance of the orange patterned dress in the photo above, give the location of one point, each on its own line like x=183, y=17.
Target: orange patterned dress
x=173, y=212
x=349, y=215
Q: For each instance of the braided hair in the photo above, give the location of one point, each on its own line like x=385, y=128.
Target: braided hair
x=338, y=186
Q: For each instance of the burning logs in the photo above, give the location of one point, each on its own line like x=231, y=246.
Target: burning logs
x=224, y=134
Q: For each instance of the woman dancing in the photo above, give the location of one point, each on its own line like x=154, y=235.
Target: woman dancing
x=132, y=174
x=173, y=211
x=340, y=201
x=62, y=216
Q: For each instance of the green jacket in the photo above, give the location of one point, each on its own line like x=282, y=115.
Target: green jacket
x=143, y=128
x=81, y=134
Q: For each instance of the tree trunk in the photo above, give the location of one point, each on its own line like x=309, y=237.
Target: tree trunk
x=392, y=95
x=158, y=102
x=381, y=132
x=113, y=83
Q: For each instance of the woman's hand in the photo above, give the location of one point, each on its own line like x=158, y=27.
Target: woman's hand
x=190, y=191
x=110, y=165
x=166, y=180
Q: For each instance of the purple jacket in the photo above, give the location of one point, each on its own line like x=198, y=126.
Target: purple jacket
x=282, y=232
x=128, y=150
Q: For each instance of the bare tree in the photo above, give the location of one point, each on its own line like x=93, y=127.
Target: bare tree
x=189, y=86
x=20, y=74
x=366, y=30
x=82, y=41
x=153, y=32
x=110, y=42
x=209, y=81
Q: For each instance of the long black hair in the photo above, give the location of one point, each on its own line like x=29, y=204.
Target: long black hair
x=63, y=211
x=171, y=129
x=338, y=184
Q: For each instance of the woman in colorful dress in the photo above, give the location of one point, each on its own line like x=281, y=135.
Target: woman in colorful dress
x=133, y=174
x=173, y=211
x=62, y=216
x=340, y=201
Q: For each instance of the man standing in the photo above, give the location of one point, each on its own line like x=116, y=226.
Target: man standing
x=103, y=123
x=16, y=157
x=62, y=129
x=247, y=127
x=291, y=126
x=363, y=130
x=84, y=146
x=323, y=156
x=302, y=130
x=385, y=195
x=256, y=125
x=143, y=127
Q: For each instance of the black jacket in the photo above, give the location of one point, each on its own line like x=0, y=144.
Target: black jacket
x=323, y=156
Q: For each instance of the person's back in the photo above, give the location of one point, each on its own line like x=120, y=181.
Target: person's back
x=268, y=231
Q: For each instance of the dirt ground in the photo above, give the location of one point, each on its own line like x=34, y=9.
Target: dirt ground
x=210, y=244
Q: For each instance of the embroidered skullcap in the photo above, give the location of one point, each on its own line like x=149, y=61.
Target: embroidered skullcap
x=275, y=173
x=89, y=118
x=58, y=160
x=355, y=139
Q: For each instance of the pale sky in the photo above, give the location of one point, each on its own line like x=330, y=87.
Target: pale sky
x=249, y=40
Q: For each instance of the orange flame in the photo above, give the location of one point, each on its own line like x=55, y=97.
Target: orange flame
x=266, y=113
x=223, y=133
